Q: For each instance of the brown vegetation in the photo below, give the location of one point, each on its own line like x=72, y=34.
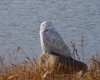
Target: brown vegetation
x=62, y=64
x=27, y=70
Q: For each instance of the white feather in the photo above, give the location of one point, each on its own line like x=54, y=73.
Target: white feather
x=51, y=41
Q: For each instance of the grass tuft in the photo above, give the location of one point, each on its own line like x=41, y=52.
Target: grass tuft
x=27, y=70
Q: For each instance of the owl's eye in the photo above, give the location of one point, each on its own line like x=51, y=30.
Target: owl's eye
x=46, y=30
x=43, y=25
x=49, y=25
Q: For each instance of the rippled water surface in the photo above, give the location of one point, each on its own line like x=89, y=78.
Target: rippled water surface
x=20, y=21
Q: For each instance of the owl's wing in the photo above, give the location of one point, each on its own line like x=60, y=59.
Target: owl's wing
x=55, y=42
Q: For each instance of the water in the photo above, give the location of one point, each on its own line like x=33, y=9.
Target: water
x=20, y=21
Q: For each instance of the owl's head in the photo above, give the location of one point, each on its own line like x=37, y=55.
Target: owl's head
x=45, y=26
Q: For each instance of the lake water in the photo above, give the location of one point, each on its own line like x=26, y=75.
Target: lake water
x=20, y=21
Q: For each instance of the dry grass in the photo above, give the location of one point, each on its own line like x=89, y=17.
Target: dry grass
x=30, y=70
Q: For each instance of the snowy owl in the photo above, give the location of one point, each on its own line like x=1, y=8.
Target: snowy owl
x=51, y=40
